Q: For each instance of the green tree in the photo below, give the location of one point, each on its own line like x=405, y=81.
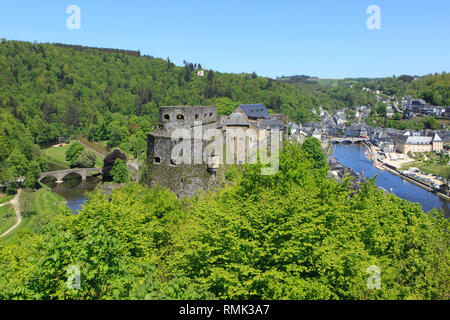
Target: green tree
x=31, y=177
x=11, y=188
x=119, y=172
x=72, y=154
x=430, y=123
x=17, y=162
x=86, y=159
x=314, y=152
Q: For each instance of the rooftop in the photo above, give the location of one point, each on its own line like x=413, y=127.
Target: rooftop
x=237, y=119
x=255, y=110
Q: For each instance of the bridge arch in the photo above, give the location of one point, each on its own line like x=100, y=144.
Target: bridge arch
x=61, y=174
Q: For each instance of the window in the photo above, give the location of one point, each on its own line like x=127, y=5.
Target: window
x=210, y=115
x=157, y=160
x=166, y=117
x=180, y=117
x=196, y=117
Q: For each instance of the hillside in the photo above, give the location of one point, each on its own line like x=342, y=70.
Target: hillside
x=292, y=235
x=112, y=95
x=330, y=93
x=74, y=89
x=433, y=88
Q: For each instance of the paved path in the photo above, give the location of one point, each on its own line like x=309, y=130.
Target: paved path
x=15, y=203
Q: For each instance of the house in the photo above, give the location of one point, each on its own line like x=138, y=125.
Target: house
x=408, y=115
x=447, y=112
x=417, y=104
x=339, y=117
x=252, y=112
x=387, y=146
x=317, y=134
x=331, y=130
x=363, y=131
x=299, y=136
x=418, y=143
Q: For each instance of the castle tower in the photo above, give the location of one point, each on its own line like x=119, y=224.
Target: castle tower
x=185, y=179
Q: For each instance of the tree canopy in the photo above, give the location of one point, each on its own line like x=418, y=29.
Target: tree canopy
x=292, y=235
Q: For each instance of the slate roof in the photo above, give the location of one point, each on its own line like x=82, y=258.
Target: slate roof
x=271, y=124
x=255, y=110
x=419, y=140
x=237, y=119
x=445, y=137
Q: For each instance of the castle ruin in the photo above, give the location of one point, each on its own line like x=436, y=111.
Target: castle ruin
x=201, y=169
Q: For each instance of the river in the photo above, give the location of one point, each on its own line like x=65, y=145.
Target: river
x=350, y=155
x=73, y=190
x=353, y=157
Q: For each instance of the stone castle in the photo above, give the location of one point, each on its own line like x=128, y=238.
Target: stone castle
x=196, y=127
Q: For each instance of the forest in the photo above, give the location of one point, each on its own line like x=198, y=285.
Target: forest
x=433, y=88
x=292, y=235
x=112, y=96
x=49, y=91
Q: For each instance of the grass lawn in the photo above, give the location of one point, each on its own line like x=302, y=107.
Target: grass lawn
x=4, y=198
x=437, y=169
x=57, y=155
x=441, y=170
x=33, y=207
x=6, y=223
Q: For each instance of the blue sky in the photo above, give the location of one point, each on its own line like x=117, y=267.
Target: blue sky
x=322, y=38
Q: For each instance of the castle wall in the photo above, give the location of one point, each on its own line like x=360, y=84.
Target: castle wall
x=185, y=116
x=185, y=179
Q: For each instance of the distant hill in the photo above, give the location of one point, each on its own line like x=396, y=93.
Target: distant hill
x=112, y=95
x=75, y=89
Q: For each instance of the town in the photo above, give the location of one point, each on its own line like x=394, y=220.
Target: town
x=390, y=149
x=216, y=154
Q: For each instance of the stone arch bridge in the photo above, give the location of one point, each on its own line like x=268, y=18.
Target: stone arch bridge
x=59, y=175
x=348, y=139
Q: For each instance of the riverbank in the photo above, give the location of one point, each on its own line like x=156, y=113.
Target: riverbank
x=354, y=157
x=418, y=183
x=32, y=207
x=392, y=169
x=73, y=191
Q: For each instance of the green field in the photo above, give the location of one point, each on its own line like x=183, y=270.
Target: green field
x=328, y=82
x=6, y=223
x=441, y=170
x=57, y=155
x=34, y=206
x=4, y=198
x=436, y=169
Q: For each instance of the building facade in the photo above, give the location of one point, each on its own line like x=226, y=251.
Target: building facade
x=416, y=143
x=180, y=157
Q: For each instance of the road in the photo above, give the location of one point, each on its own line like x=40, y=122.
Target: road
x=15, y=203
